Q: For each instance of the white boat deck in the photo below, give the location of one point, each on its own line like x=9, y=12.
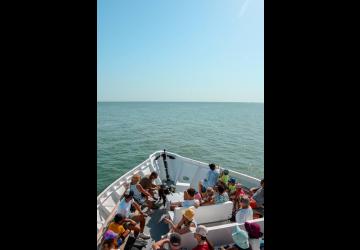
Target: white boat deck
x=185, y=173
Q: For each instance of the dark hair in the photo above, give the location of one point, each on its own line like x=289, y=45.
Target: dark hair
x=262, y=181
x=191, y=191
x=154, y=174
x=118, y=218
x=110, y=243
x=221, y=189
x=212, y=166
x=211, y=247
x=129, y=194
x=175, y=238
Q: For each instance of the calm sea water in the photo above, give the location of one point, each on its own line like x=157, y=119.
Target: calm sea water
x=229, y=134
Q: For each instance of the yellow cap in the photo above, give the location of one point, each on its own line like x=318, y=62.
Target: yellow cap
x=189, y=213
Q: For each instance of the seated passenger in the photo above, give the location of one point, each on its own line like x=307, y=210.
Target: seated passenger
x=211, y=179
x=254, y=232
x=108, y=245
x=221, y=196
x=189, y=200
x=197, y=196
x=236, y=197
x=147, y=183
x=254, y=189
x=141, y=196
x=258, y=195
x=116, y=238
x=245, y=212
x=241, y=240
x=186, y=224
x=171, y=243
x=202, y=241
x=232, y=187
x=208, y=197
x=224, y=178
x=129, y=220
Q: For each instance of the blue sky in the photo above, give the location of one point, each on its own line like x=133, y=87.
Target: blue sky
x=181, y=50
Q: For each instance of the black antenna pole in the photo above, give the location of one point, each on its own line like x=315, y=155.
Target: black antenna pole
x=166, y=166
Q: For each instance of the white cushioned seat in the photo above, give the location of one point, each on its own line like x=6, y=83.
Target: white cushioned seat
x=218, y=235
x=207, y=214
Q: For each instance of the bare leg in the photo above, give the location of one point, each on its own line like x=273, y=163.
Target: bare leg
x=139, y=218
x=135, y=228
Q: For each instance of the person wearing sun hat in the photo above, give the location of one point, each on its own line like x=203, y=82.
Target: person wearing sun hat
x=241, y=239
x=186, y=224
x=173, y=242
x=201, y=237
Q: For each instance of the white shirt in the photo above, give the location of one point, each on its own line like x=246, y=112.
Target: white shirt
x=189, y=203
x=255, y=244
x=244, y=215
x=124, y=207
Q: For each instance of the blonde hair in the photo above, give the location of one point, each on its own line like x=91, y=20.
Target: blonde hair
x=136, y=178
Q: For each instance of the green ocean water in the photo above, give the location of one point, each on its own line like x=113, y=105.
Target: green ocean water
x=229, y=134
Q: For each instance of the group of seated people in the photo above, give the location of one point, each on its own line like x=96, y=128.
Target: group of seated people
x=215, y=189
x=218, y=188
x=248, y=239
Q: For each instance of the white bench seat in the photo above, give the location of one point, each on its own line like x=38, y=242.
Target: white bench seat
x=206, y=214
x=218, y=235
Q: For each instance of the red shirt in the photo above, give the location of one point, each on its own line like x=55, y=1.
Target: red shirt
x=239, y=192
x=202, y=247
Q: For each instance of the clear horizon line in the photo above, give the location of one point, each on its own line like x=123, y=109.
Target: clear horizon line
x=193, y=101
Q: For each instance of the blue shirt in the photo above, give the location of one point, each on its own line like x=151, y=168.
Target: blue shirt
x=221, y=198
x=212, y=178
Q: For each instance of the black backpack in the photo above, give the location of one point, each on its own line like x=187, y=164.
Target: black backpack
x=135, y=243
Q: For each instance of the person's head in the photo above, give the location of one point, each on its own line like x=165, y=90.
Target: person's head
x=262, y=182
x=191, y=192
x=189, y=214
x=201, y=233
x=110, y=235
x=232, y=181
x=129, y=195
x=238, y=186
x=108, y=245
x=153, y=175
x=226, y=172
x=240, y=237
x=210, y=191
x=212, y=166
x=254, y=230
x=244, y=201
x=118, y=218
x=221, y=189
x=136, y=178
x=175, y=241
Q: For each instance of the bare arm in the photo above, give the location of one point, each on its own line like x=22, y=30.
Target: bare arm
x=171, y=223
x=142, y=190
x=185, y=229
x=137, y=207
x=159, y=244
